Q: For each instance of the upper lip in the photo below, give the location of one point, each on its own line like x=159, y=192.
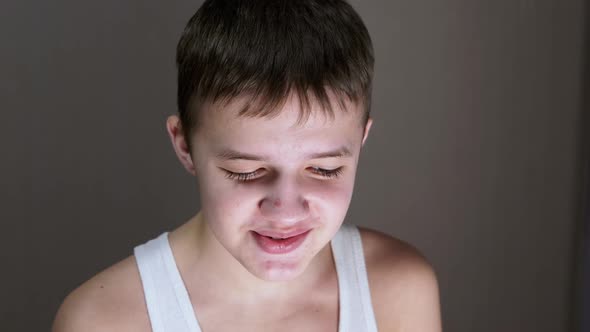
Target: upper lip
x=282, y=234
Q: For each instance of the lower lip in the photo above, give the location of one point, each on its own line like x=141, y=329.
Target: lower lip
x=284, y=246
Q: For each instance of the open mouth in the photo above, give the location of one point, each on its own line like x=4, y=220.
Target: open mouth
x=279, y=245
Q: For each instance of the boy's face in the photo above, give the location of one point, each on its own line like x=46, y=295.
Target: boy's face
x=286, y=194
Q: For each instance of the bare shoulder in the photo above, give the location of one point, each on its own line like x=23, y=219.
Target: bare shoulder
x=112, y=300
x=404, y=287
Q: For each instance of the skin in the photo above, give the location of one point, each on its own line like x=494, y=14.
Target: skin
x=286, y=194
x=216, y=248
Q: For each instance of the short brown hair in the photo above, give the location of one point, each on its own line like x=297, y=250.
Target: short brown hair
x=268, y=49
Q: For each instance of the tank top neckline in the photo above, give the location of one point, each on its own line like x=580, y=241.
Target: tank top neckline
x=162, y=281
x=182, y=292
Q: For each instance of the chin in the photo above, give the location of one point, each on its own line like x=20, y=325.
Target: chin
x=280, y=267
x=279, y=271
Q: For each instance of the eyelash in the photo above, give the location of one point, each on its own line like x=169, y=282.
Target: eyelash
x=245, y=177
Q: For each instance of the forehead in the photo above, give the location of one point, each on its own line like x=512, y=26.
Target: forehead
x=222, y=128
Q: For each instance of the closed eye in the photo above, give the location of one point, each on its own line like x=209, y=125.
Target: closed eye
x=241, y=177
x=245, y=177
x=334, y=173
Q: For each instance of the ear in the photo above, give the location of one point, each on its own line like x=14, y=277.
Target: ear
x=367, y=129
x=179, y=144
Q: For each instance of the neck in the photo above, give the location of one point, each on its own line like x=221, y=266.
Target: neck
x=224, y=273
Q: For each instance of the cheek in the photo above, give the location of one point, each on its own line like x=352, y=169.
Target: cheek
x=221, y=205
x=336, y=194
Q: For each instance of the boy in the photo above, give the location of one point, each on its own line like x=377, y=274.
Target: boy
x=274, y=100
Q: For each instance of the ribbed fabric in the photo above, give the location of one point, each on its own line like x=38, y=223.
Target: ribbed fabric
x=170, y=309
x=356, y=310
x=167, y=300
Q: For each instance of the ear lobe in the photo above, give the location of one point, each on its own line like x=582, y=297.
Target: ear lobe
x=367, y=129
x=174, y=129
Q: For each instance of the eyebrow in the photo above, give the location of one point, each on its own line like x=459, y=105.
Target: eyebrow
x=230, y=154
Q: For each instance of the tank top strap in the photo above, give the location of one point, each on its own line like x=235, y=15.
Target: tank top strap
x=170, y=309
x=168, y=303
x=356, y=310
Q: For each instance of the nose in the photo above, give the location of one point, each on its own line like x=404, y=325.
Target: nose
x=286, y=204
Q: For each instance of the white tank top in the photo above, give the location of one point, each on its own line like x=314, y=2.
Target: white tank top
x=170, y=309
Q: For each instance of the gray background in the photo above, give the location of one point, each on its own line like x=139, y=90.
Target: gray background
x=475, y=155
